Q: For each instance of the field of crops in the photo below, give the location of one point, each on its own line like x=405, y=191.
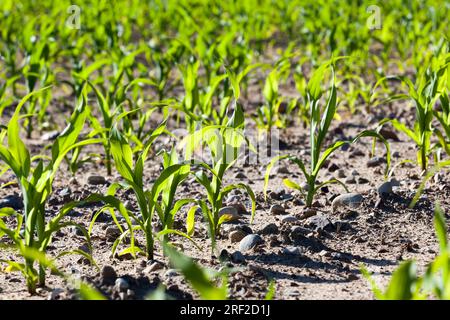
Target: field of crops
x=203, y=149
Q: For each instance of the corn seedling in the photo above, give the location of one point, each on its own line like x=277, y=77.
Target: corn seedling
x=132, y=172
x=202, y=280
x=224, y=143
x=36, y=186
x=320, y=122
x=424, y=93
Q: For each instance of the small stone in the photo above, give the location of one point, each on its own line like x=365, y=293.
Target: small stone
x=352, y=200
x=96, y=180
x=241, y=210
x=240, y=175
x=289, y=219
x=283, y=170
x=388, y=133
x=350, y=180
x=270, y=228
x=108, y=275
x=236, y=235
x=231, y=213
x=155, y=266
x=112, y=233
x=341, y=174
x=12, y=201
x=77, y=231
x=49, y=136
x=319, y=222
x=121, y=285
x=362, y=180
x=333, y=167
x=374, y=162
x=299, y=233
x=85, y=248
x=276, y=209
x=386, y=187
x=249, y=242
x=307, y=212
x=324, y=253
x=55, y=294
x=292, y=251
x=171, y=273
x=237, y=257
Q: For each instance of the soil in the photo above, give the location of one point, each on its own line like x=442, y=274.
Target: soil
x=379, y=234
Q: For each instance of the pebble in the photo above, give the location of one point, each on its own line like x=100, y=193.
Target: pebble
x=362, y=180
x=236, y=235
x=85, y=248
x=350, y=180
x=292, y=251
x=374, y=162
x=319, y=222
x=121, y=285
x=240, y=175
x=49, y=136
x=171, y=273
x=289, y=219
x=96, y=180
x=270, y=228
x=333, y=167
x=283, y=170
x=386, y=187
x=155, y=266
x=299, y=233
x=231, y=212
x=307, y=212
x=241, y=210
x=277, y=209
x=341, y=173
x=249, y=242
x=55, y=294
x=108, y=275
x=12, y=201
x=237, y=257
x=112, y=233
x=352, y=200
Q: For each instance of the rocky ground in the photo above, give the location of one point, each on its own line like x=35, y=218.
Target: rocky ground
x=309, y=253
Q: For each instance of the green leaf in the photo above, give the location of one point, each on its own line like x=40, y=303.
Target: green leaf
x=440, y=227
x=196, y=276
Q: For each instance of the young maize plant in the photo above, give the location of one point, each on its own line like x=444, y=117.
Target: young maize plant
x=320, y=122
x=36, y=186
x=148, y=200
x=406, y=284
x=426, y=91
x=268, y=114
x=224, y=144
